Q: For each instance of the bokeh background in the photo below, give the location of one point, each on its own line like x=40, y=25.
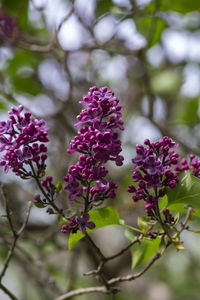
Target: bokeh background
x=51, y=52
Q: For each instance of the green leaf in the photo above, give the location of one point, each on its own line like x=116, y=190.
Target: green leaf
x=101, y=217
x=103, y=7
x=39, y=205
x=180, y=208
x=143, y=251
x=163, y=202
x=187, y=191
x=143, y=222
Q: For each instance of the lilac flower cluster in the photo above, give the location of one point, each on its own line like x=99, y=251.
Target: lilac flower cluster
x=77, y=223
x=97, y=142
x=22, y=141
x=154, y=170
x=194, y=165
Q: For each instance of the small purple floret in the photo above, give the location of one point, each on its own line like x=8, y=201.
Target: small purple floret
x=78, y=223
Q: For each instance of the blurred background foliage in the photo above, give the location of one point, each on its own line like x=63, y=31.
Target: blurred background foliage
x=51, y=52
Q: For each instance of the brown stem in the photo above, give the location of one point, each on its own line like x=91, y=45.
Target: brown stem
x=11, y=295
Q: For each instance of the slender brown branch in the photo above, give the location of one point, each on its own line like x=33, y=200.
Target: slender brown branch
x=50, y=202
x=136, y=240
x=8, y=212
x=11, y=295
x=20, y=231
x=15, y=234
x=97, y=249
x=137, y=275
x=112, y=281
x=95, y=289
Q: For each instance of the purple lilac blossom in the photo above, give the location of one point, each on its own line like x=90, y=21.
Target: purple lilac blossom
x=78, y=223
x=97, y=142
x=194, y=165
x=153, y=171
x=22, y=140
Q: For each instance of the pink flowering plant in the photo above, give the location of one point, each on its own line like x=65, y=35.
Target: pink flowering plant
x=166, y=183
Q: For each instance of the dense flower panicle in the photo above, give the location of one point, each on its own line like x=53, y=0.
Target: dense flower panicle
x=78, y=223
x=154, y=169
x=194, y=165
x=22, y=140
x=97, y=142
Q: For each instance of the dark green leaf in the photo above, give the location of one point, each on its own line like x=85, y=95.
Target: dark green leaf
x=39, y=205
x=101, y=217
x=103, y=7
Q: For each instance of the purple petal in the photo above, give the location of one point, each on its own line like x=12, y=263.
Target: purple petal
x=83, y=229
x=86, y=217
x=90, y=225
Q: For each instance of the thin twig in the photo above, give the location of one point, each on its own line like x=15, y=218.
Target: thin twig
x=11, y=295
x=137, y=275
x=111, y=282
x=136, y=240
x=20, y=231
x=8, y=212
x=97, y=249
x=95, y=289
x=15, y=234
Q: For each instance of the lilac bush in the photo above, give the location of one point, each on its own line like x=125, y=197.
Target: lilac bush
x=156, y=170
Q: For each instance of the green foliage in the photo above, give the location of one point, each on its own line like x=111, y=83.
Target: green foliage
x=101, y=217
x=143, y=223
x=187, y=112
x=103, y=7
x=19, y=9
x=39, y=205
x=142, y=251
x=3, y=104
x=143, y=26
x=21, y=70
x=186, y=192
x=180, y=6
